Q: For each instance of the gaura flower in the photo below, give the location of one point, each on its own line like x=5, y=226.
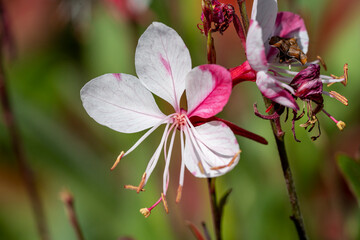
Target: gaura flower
x=279, y=39
x=125, y=103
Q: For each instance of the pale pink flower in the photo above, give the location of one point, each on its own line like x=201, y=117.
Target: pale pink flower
x=264, y=66
x=265, y=23
x=163, y=65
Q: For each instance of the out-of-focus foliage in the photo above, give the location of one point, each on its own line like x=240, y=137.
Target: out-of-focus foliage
x=351, y=170
x=57, y=54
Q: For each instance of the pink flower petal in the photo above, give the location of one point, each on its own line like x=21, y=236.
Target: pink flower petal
x=208, y=88
x=271, y=89
x=255, y=50
x=162, y=61
x=120, y=102
x=290, y=25
x=216, y=147
x=264, y=12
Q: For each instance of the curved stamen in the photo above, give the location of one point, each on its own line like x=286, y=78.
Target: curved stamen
x=198, y=151
x=167, y=160
x=229, y=164
x=182, y=169
x=154, y=159
x=117, y=160
x=166, y=138
x=148, y=133
x=203, y=141
x=337, y=96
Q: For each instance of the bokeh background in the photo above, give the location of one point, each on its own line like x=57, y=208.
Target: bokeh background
x=59, y=45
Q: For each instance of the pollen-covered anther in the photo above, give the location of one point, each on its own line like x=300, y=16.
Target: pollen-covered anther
x=131, y=187
x=322, y=62
x=339, y=97
x=341, y=125
x=201, y=167
x=142, y=183
x=345, y=76
x=165, y=203
x=178, y=194
x=229, y=164
x=117, y=160
x=145, y=211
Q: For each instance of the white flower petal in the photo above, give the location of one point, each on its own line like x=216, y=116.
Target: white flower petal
x=255, y=50
x=264, y=12
x=217, y=148
x=120, y=102
x=162, y=62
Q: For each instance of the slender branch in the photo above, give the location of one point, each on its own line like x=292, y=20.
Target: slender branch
x=68, y=200
x=296, y=216
x=17, y=145
x=214, y=208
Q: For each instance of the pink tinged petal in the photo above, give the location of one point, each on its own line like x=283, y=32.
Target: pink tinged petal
x=208, y=88
x=289, y=25
x=255, y=50
x=162, y=61
x=217, y=148
x=264, y=12
x=271, y=89
x=120, y=102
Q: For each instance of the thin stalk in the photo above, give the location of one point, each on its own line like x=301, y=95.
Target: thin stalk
x=214, y=208
x=296, y=216
x=68, y=200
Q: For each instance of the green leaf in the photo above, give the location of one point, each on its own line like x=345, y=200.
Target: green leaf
x=351, y=170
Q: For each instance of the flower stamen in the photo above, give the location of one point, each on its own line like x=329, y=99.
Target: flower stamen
x=145, y=211
x=131, y=187
x=117, y=161
x=339, y=97
x=142, y=183
x=340, y=124
x=229, y=164
x=201, y=167
x=164, y=202
x=178, y=195
x=345, y=76
x=322, y=62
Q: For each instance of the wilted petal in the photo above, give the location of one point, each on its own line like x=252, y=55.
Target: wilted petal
x=291, y=25
x=264, y=12
x=208, y=88
x=120, y=102
x=162, y=61
x=269, y=87
x=214, y=146
x=255, y=50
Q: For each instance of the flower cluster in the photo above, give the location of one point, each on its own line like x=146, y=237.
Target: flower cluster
x=208, y=145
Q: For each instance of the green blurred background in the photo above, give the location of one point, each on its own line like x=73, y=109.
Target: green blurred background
x=60, y=45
